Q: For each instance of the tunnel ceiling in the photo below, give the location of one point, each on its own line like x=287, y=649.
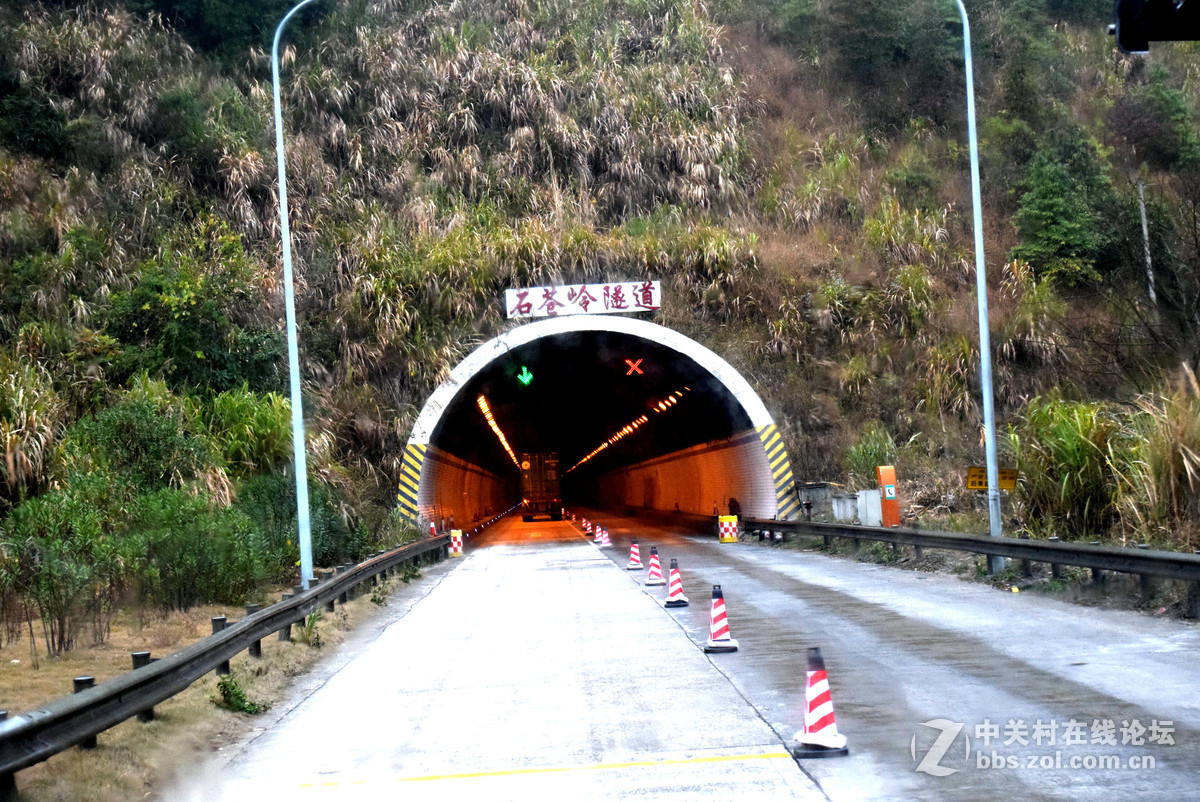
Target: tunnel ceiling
x=580, y=395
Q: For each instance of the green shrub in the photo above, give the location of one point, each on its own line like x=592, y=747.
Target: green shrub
x=1156, y=123
x=1068, y=453
x=231, y=696
x=29, y=122
x=1160, y=488
x=140, y=443
x=270, y=502
x=1068, y=217
x=875, y=446
x=251, y=432
x=194, y=554
x=180, y=319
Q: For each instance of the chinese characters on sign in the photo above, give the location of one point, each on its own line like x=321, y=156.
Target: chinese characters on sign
x=584, y=299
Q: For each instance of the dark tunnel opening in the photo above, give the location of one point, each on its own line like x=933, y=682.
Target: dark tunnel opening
x=640, y=416
x=572, y=393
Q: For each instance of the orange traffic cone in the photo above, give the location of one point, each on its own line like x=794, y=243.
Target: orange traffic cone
x=432, y=529
x=820, y=736
x=599, y=537
x=675, y=597
x=605, y=543
x=719, y=639
x=656, y=577
x=635, y=558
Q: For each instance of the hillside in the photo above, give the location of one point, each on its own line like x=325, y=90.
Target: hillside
x=795, y=174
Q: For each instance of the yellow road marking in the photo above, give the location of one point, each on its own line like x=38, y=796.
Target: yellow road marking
x=561, y=769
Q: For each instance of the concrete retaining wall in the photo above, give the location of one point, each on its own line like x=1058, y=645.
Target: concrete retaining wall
x=696, y=479
x=451, y=486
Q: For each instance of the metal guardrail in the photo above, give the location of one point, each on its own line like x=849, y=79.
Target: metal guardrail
x=39, y=734
x=1144, y=562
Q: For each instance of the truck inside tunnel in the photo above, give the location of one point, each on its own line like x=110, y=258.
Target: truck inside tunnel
x=639, y=416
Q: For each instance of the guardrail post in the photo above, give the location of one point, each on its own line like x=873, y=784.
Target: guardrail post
x=8, y=782
x=1147, y=580
x=285, y=632
x=141, y=660
x=1097, y=574
x=218, y=624
x=82, y=684
x=255, y=649
x=1055, y=568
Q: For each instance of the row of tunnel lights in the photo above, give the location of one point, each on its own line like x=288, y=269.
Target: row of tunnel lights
x=487, y=413
x=627, y=429
x=632, y=426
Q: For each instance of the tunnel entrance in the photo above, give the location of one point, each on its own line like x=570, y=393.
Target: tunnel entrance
x=638, y=414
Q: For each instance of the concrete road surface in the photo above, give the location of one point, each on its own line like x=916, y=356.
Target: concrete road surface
x=1033, y=698
x=533, y=669
x=538, y=668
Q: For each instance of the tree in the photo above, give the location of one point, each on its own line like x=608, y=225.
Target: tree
x=1068, y=216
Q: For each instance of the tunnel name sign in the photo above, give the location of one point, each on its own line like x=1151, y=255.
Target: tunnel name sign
x=584, y=299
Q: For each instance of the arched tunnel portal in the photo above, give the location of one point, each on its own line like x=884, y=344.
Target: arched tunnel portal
x=639, y=415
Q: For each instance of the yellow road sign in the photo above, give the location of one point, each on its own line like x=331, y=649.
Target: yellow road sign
x=977, y=478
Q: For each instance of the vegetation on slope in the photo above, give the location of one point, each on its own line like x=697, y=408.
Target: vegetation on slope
x=797, y=179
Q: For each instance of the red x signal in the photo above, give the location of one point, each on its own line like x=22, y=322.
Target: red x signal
x=633, y=367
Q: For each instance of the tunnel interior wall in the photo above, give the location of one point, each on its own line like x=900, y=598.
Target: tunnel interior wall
x=696, y=478
x=454, y=487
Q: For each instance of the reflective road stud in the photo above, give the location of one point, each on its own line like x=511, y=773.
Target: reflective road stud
x=456, y=543
x=820, y=736
x=635, y=558
x=656, y=577
x=727, y=527
x=719, y=639
x=675, y=597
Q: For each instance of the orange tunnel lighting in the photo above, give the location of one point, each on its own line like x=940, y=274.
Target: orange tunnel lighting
x=662, y=406
x=487, y=413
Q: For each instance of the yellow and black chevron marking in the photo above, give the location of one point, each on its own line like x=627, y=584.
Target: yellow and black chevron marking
x=786, y=502
x=410, y=480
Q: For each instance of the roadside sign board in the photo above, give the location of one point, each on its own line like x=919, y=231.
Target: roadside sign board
x=977, y=478
x=584, y=299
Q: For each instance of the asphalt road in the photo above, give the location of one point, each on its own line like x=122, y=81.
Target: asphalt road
x=538, y=667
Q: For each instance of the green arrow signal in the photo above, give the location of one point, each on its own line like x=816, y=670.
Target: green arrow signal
x=525, y=376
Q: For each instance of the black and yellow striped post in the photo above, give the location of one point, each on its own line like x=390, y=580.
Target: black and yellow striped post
x=410, y=481
x=786, y=501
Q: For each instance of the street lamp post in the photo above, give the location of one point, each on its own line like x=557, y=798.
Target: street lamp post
x=995, y=562
x=289, y=298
